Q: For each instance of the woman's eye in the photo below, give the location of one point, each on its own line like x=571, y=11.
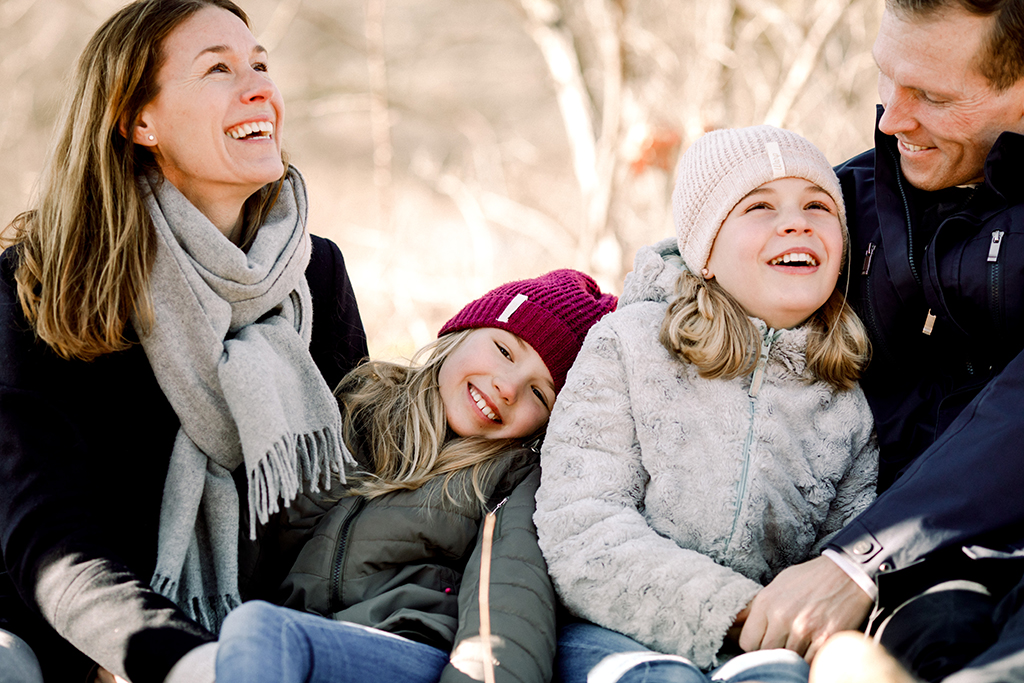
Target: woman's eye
x=758, y=205
x=820, y=206
x=219, y=68
x=261, y=66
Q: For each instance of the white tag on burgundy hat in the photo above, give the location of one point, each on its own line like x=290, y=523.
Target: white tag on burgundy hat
x=512, y=307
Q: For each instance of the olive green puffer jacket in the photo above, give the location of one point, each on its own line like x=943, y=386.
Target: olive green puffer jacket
x=409, y=563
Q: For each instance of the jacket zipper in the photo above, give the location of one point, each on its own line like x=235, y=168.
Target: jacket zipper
x=995, y=280
x=906, y=211
x=868, y=256
x=339, y=553
x=756, y=380
x=874, y=331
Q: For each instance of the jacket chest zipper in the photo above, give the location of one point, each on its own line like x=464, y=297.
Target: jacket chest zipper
x=868, y=255
x=756, y=380
x=339, y=554
x=874, y=332
x=906, y=213
x=995, y=280
x=929, y=318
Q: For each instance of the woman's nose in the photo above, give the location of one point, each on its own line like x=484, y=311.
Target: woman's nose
x=258, y=87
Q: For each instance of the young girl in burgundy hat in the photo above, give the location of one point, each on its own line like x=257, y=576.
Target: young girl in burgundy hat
x=420, y=575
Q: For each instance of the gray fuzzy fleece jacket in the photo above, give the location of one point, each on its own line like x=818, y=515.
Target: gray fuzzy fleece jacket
x=668, y=500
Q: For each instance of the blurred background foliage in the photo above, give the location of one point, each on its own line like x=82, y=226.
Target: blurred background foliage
x=452, y=145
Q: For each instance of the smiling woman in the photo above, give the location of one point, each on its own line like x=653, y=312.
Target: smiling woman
x=216, y=122
x=163, y=386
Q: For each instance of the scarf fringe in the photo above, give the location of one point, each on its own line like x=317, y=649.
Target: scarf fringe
x=278, y=476
x=209, y=611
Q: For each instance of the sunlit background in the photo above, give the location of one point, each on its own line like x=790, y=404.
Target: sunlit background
x=452, y=145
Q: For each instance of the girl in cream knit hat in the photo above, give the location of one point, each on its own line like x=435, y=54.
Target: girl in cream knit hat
x=711, y=432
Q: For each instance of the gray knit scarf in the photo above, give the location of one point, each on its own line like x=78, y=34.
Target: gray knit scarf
x=230, y=350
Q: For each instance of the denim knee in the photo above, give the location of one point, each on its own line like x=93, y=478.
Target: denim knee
x=763, y=666
x=18, y=664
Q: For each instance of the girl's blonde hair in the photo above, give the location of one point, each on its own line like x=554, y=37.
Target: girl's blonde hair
x=706, y=326
x=394, y=415
x=86, y=251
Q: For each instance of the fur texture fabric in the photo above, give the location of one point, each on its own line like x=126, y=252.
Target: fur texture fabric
x=668, y=500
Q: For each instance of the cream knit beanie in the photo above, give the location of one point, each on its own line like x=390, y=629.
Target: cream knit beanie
x=721, y=167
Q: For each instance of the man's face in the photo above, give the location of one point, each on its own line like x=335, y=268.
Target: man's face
x=945, y=114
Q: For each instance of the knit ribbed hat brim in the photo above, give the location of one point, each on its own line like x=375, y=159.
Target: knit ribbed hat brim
x=723, y=166
x=552, y=313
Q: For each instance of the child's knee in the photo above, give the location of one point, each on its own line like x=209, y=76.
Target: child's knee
x=18, y=663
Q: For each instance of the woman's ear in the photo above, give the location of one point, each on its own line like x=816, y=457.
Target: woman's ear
x=142, y=132
x=706, y=273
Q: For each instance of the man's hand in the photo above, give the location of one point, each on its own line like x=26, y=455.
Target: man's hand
x=733, y=633
x=802, y=607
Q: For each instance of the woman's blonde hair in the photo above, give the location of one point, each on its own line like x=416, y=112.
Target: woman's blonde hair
x=393, y=414
x=86, y=251
x=706, y=326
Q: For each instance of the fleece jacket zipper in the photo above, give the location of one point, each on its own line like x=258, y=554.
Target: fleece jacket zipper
x=756, y=380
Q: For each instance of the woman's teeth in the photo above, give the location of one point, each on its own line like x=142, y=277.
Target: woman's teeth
x=261, y=129
x=482, y=405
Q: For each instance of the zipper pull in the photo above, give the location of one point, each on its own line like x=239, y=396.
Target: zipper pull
x=929, y=323
x=867, y=258
x=762, y=360
x=993, y=246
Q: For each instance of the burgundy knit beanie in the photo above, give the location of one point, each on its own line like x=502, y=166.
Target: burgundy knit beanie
x=552, y=313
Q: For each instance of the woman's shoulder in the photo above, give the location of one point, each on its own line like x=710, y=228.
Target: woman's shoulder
x=8, y=266
x=325, y=261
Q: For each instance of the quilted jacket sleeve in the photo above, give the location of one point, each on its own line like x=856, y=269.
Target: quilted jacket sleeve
x=608, y=565
x=522, y=600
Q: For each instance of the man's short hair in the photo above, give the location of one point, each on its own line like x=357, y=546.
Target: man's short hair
x=1003, y=61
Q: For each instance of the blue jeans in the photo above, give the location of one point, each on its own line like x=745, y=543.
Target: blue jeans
x=263, y=642
x=18, y=664
x=590, y=654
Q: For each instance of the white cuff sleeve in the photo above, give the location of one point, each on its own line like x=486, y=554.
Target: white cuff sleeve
x=859, y=576
x=198, y=666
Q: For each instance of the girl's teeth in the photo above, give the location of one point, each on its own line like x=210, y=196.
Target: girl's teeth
x=482, y=405
x=795, y=258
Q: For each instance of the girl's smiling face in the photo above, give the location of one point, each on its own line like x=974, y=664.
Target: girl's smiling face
x=495, y=385
x=215, y=124
x=779, y=251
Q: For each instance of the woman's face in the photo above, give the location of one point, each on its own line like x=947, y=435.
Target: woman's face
x=495, y=385
x=215, y=125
